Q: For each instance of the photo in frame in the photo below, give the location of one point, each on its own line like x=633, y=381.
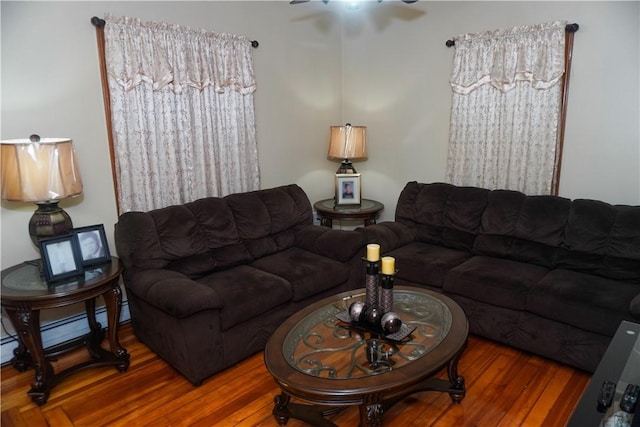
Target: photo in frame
x=347, y=189
x=61, y=258
x=92, y=241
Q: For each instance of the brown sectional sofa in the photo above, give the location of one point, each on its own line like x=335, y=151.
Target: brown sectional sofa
x=540, y=273
x=208, y=282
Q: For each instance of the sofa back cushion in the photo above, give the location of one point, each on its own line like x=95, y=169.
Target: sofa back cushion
x=602, y=239
x=523, y=228
x=550, y=231
x=195, y=238
x=267, y=220
x=442, y=214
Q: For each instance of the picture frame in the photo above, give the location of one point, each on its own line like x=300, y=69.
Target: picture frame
x=93, y=245
x=347, y=189
x=61, y=257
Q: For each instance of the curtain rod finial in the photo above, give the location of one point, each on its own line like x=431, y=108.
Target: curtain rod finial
x=98, y=22
x=572, y=28
x=450, y=43
x=254, y=43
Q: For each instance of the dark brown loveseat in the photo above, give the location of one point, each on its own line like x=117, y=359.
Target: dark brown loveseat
x=208, y=282
x=540, y=273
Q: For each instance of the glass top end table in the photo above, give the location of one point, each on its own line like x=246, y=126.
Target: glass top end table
x=24, y=293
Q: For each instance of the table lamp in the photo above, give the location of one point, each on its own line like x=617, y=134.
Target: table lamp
x=43, y=171
x=347, y=143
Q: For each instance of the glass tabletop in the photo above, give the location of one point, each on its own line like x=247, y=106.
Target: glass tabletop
x=323, y=346
x=26, y=280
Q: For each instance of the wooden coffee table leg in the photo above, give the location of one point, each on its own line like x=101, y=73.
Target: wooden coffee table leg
x=281, y=401
x=458, y=389
x=371, y=412
x=310, y=414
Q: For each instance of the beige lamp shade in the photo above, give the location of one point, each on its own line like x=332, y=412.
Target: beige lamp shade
x=46, y=170
x=348, y=142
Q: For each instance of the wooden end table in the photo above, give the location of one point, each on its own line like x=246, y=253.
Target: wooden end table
x=315, y=357
x=367, y=211
x=25, y=293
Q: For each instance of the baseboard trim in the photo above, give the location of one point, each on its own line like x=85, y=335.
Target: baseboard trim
x=61, y=331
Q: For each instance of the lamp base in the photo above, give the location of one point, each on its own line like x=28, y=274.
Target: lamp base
x=49, y=220
x=346, y=167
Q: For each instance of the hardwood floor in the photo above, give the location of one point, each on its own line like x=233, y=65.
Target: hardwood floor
x=505, y=387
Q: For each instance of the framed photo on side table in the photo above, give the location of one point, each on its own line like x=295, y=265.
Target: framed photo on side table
x=347, y=189
x=94, y=247
x=61, y=257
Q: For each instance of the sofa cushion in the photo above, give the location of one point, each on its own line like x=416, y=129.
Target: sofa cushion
x=602, y=239
x=208, y=262
x=307, y=272
x=425, y=263
x=388, y=234
x=589, y=302
x=267, y=220
x=247, y=292
x=341, y=245
x=522, y=228
x=442, y=213
x=193, y=228
x=496, y=281
x=156, y=238
x=173, y=293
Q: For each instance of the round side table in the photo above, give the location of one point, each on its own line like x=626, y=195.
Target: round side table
x=367, y=210
x=25, y=293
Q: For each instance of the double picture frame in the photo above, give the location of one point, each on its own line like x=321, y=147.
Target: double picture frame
x=67, y=256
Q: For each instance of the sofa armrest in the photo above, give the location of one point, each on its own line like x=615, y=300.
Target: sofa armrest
x=173, y=292
x=388, y=234
x=634, y=307
x=341, y=245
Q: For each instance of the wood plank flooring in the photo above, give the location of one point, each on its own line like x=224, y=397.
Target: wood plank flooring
x=505, y=387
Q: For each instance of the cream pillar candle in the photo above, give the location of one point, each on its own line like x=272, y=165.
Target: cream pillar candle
x=388, y=265
x=373, y=252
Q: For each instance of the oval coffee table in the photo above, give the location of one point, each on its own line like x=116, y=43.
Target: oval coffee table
x=330, y=364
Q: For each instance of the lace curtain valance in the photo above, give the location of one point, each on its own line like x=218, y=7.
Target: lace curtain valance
x=181, y=113
x=502, y=57
x=221, y=61
x=507, y=106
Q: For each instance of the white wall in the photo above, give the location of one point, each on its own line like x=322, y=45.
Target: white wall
x=50, y=84
x=396, y=68
x=385, y=67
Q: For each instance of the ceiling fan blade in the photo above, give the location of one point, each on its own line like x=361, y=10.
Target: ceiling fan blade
x=409, y=1
x=298, y=1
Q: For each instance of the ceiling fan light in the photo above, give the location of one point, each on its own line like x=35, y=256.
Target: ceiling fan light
x=353, y=4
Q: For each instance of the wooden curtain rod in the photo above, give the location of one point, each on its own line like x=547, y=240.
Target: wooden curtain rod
x=101, y=23
x=570, y=28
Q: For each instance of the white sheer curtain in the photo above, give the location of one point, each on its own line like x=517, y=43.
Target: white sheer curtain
x=506, y=103
x=182, y=113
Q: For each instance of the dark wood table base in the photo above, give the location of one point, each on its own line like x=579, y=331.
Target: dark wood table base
x=373, y=407
x=24, y=313
x=30, y=353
